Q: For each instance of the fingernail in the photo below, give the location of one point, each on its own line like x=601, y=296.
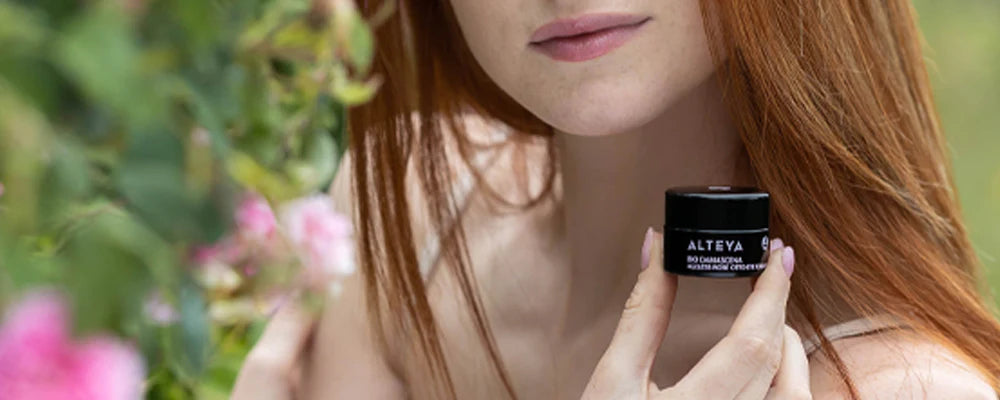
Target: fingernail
x=645, y=248
x=776, y=244
x=788, y=260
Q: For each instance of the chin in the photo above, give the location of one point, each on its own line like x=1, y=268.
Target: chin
x=603, y=112
x=599, y=122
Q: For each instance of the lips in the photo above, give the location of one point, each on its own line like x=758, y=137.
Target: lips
x=585, y=37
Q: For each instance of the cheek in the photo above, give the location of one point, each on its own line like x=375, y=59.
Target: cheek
x=491, y=29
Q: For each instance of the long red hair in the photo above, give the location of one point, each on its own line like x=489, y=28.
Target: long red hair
x=836, y=91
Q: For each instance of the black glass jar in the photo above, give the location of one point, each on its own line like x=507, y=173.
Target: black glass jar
x=716, y=231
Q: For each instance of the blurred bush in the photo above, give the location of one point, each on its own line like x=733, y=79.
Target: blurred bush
x=128, y=131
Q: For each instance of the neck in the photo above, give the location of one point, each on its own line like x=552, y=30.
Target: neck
x=612, y=190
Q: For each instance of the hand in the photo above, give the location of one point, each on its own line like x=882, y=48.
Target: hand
x=272, y=370
x=759, y=358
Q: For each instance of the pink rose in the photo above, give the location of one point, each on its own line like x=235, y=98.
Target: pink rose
x=255, y=226
x=40, y=361
x=254, y=219
x=321, y=235
x=227, y=251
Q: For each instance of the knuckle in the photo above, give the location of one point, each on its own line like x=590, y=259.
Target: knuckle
x=643, y=298
x=635, y=301
x=753, y=347
x=758, y=352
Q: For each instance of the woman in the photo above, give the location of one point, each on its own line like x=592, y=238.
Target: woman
x=548, y=130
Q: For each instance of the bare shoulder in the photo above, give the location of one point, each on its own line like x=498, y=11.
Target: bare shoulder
x=344, y=195
x=895, y=365
x=345, y=360
x=500, y=162
x=511, y=164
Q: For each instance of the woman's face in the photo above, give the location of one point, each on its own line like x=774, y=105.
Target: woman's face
x=639, y=57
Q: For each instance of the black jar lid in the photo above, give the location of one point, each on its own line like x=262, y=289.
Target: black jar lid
x=716, y=208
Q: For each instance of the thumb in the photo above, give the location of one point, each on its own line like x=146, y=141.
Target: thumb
x=647, y=313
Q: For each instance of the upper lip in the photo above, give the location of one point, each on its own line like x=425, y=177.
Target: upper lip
x=565, y=27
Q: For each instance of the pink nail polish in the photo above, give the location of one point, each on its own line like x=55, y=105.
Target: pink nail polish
x=645, y=248
x=788, y=260
x=776, y=244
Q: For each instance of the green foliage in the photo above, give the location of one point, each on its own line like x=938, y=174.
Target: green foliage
x=128, y=128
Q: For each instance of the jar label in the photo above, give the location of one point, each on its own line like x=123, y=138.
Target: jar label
x=718, y=253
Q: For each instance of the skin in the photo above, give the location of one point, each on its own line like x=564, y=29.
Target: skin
x=572, y=315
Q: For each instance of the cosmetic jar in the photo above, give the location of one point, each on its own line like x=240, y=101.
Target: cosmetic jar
x=715, y=231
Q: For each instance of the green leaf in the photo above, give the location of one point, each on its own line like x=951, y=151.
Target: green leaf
x=156, y=192
x=152, y=180
x=21, y=29
x=105, y=272
x=274, y=16
x=297, y=36
x=98, y=52
x=66, y=182
x=317, y=163
x=20, y=269
x=353, y=93
x=194, y=339
x=24, y=136
x=362, y=44
x=252, y=175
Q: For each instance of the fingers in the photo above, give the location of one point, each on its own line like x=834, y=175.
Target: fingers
x=746, y=360
x=267, y=372
x=763, y=319
x=764, y=310
x=792, y=380
x=644, y=321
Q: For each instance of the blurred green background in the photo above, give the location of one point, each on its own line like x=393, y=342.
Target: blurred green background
x=963, y=43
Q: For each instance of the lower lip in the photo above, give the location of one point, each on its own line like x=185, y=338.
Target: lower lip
x=587, y=46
